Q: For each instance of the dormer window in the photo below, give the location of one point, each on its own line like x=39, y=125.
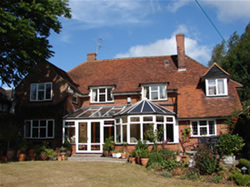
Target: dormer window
x=216, y=87
x=154, y=92
x=100, y=95
x=41, y=91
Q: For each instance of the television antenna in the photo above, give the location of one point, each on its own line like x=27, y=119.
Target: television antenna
x=98, y=43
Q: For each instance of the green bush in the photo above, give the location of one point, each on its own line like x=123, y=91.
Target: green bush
x=229, y=144
x=167, y=154
x=217, y=179
x=245, y=162
x=145, y=153
x=242, y=180
x=154, y=157
x=205, y=161
x=169, y=164
x=167, y=174
x=191, y=173
x=109, y=144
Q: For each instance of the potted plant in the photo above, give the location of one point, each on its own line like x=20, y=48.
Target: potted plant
x=108, y=146
x=144, y=157
x=138, y=150
x=228, y=145
x=68, y=147
x=116, y=154
x=124, y=150
x=133, y=154
x=22, y=150
x=51, y=154
x=43, y=155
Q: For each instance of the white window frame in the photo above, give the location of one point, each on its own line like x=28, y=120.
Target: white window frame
x=98, y=94
x=225, y=93
x=151, y=91
x=37, y=91
x=207, y=127
x=75, y=99
x=39, y=127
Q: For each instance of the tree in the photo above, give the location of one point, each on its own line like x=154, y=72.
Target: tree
x=235, y=59
x=24, y=30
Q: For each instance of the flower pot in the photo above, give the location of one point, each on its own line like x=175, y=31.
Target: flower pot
x=144, y=161
x=43, y=156
x=116, y=155
x=68, y=153
x=32, y=154
x=133, y=161
x=10, y=154
x=106, y=153
x=22, y=157
x=124, y=155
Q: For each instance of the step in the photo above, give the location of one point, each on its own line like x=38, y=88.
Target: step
x=86, y=155
x=96, y=159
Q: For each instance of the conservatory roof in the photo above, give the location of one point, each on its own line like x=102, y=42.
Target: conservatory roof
x=145, y=107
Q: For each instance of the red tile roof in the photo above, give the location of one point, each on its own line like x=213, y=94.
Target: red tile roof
x=128, y=73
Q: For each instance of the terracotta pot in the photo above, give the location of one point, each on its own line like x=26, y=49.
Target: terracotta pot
x=59, y=158
x=32, y=154
x=68, y=153
x=22, y=157
x=43, y=156
x=144, y=161
x=133, y=161
x=106, y=153
x=10, y=154
x=124, y=155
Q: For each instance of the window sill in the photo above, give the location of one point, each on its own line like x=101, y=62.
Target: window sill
x=202, y=136
x=110, y=102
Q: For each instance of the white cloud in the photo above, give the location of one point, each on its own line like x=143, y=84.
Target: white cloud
x=227, y=10
x=167, y=46
x=97, y=13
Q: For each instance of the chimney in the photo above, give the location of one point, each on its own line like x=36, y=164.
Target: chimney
x=180, y=52
x=91, y=57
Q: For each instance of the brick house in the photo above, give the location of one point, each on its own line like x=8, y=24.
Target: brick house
x=123, y=98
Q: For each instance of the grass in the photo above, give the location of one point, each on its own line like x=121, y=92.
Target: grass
x=69, y=173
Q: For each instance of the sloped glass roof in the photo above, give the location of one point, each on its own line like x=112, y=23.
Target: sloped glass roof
x=145, y=107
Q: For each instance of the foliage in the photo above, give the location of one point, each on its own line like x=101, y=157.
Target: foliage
x=145, y=153
x=50, y=153
x=186, y=132
x=67, y=145
x=169, y=164
x=44, y=146
x=205, y=161
x=139, y=147
x=117, y=151
x=23, y=146
x=239, y=47
x=229, y=144
x=154, y=157
x=167, y=154
x=192, y=173
x=246, y=163
x=109, y=144
x=240, y=179
x=167, y=174
x=153, y=135
x=24, y=30
x=217, y=179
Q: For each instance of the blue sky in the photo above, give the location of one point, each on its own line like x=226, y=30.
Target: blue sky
x=132, y=28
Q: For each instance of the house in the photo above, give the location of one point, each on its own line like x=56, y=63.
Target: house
x=123, y=98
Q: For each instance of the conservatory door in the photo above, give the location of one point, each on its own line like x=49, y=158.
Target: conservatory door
x=89, y=137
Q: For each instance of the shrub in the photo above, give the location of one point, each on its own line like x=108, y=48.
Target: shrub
x=109, y=144
x=229, y=144
x=242, y=180
x=245, y=162
x=167, y=154
x=192, y=173
x=67, y=145
x=154, y=157
x=145, y=153
x=167, y=174
x=205, y=161
x=217, y=179
x=169, y=164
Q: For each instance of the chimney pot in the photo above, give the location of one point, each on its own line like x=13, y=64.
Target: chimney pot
x=181, y=52
x=91, y=57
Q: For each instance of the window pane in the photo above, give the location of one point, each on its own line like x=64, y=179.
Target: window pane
x=101, y=98
x=48, y=91
x=95, y=132
x=160, y=130
x=33, y=92
x=154, y=95
x=108, y=132
x=203, y=123
x=70, y=134
x=35, y=133
x=94, y=95
x=42, y=132
x=82, y=133
x=163, y=94
x=170, y=132
x=159, y=119
x=146, y=92
x=50, y=129
x=194, y=128
x=211, y=127
x=108, y=122
x=71, y=123
x=203, y=130
x=118, y=134
x=221, y=89
x=134, y=133
x=124, y=120
x=147, y=118
x=154, y=88
x=134, y=119
x=40, y=95
x=170, y=119
x=124, y=133
x=42, y=123
x=146, y=129
x=35, y=123
x=211, y=87
x=102, y=90
x=109, y=92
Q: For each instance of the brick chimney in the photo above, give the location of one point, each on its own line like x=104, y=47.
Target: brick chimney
x=91, y=57
x=180, y=52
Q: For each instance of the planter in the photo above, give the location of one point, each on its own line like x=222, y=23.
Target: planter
x=32, y=154
x=228, y=160
x=10, y=154
x=22, y=157
x=106, y=153
x=43, y=156
x=133, y=161
x=116, y=155
x=144, y=161
x=124, y=155
x=59, y=158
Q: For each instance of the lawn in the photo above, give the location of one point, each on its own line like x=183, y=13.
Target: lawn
x=69, y=173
